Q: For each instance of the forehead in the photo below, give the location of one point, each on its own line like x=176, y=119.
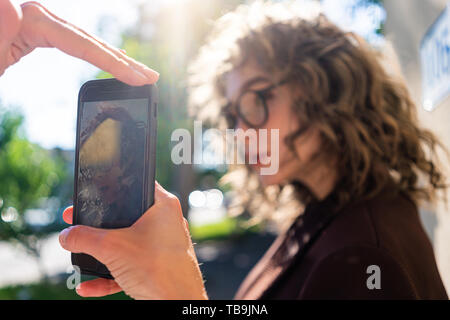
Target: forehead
x=238, y=78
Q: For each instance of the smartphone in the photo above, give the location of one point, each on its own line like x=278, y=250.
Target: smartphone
x=114, y=179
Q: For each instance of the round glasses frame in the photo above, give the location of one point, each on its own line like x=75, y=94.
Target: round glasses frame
x=232, y=118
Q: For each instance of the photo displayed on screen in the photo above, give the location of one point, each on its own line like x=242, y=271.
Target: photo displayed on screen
x=111, y=162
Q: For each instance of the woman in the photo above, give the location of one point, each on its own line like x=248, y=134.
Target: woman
x=350, y=152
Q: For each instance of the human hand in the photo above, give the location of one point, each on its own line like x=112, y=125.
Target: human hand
x=24, y=28
x=152, y=259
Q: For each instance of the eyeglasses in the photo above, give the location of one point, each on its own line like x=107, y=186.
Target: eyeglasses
x=250, y=107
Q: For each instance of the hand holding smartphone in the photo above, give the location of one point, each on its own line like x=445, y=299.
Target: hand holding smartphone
x=114, y=159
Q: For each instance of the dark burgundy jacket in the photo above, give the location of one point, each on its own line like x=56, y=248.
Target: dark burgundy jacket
x=326, y=255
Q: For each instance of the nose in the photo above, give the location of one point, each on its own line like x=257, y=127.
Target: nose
x=247, y=141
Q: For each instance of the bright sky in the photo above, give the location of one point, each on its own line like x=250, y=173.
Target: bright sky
x=45, y=83
x=361, y=20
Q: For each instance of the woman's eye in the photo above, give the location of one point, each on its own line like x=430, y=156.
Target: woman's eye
x=267, y=95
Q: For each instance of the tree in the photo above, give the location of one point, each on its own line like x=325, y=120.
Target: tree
x=28, y=177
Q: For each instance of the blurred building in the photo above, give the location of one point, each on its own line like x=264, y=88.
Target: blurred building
x=408, y=22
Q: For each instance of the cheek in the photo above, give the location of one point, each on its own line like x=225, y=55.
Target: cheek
x=285, y=121
x=308, y=145
x=285, y=124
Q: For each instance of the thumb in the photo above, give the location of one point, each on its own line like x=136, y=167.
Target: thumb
x=84, y=239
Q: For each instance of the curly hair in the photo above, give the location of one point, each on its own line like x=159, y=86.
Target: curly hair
x=365, y=115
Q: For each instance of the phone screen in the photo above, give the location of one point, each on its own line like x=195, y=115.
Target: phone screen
x=111, y=162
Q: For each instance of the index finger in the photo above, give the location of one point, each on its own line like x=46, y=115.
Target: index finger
x=10, y=18
x=75, y=42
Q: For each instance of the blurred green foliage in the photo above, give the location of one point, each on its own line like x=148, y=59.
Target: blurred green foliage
x=214, y=231
x=49, y=290
x=28, y=175
x=227, y=228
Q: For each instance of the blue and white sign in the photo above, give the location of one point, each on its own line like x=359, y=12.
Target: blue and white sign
x=435, y=61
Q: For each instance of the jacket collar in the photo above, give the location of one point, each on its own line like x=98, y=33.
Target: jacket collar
x=292, y=245
x=287, y=248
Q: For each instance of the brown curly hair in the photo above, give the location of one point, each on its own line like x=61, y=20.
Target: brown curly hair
x=365, y=115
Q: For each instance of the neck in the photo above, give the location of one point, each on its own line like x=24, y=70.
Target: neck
x=321, y=181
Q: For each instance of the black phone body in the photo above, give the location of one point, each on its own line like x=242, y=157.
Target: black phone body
x=114, y=159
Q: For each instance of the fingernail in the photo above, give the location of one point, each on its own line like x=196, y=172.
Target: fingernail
x=151, y=74
x=140, y=75
x=154, y=72
x=156, y=75
x=63, y=236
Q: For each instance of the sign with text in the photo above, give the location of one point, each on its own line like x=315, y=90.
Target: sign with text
x=435, y=61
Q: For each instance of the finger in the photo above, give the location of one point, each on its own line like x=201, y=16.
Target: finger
x=84, y=239
x=68, y=215
x=73, y=41
x=120, y=53
x=161, y=198
x=98, y=288
x=77, y=45
x=160, y=192
x=10, y=18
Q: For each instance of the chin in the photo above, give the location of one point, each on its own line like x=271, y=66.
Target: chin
x=268, y=180
x=284, y=174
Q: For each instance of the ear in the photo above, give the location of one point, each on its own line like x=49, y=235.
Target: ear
x=10, y=19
